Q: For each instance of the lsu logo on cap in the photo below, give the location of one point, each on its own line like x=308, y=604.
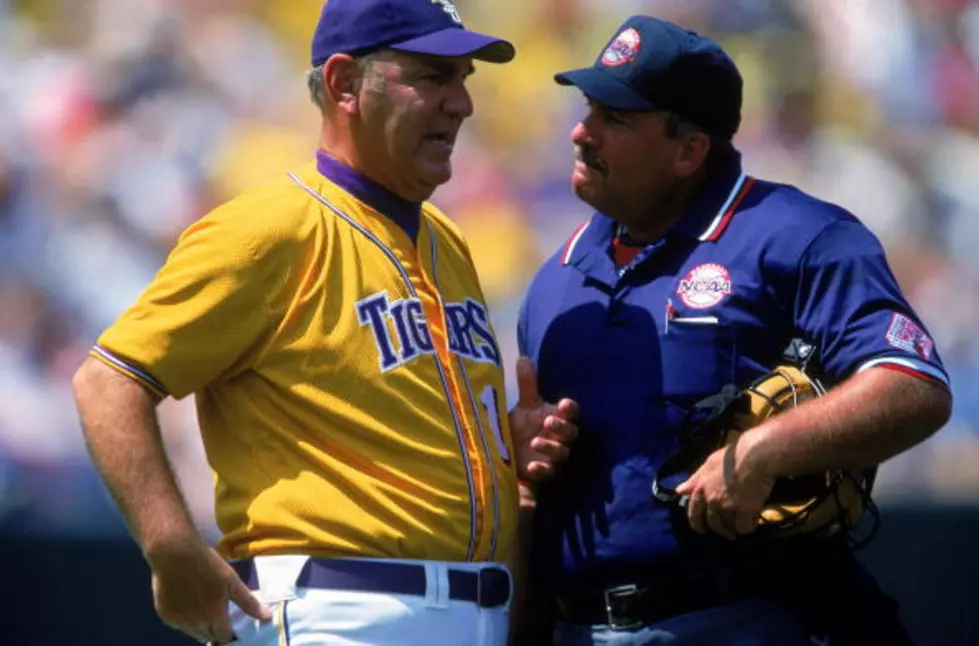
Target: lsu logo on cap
x=705, y=286
x=450, y=9
x=623, y=49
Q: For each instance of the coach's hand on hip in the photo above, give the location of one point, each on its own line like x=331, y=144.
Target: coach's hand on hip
x=192, y=586
x=541, y=431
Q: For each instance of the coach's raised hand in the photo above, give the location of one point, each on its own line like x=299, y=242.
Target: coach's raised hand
x=541, y=431
x=192, y=586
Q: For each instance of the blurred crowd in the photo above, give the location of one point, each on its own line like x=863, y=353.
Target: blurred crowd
x=121, y=121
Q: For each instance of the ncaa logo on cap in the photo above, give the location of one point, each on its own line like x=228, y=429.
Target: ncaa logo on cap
x=623, y=49
x=450, y=9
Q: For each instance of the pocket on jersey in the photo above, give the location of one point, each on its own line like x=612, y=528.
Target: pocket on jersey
x=699, y=357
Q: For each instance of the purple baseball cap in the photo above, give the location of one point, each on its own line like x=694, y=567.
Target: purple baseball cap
x=421, y=26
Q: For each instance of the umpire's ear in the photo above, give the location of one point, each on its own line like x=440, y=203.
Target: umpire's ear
x=341, y=84
x=694, y=146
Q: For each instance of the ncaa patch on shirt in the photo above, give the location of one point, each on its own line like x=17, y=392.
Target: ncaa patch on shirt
x=904, y=334
x=705, y=286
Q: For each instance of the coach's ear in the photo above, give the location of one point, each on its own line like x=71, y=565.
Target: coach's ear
x=341, y=80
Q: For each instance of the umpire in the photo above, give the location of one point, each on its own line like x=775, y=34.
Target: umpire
x=691, y=278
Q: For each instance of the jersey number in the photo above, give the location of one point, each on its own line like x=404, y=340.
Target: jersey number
x=489, y=400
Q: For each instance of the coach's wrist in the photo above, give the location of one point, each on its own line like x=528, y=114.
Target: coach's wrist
x=172, y=544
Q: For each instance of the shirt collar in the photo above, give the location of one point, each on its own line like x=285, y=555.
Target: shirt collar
x=706, y=219
x=402, y=212
x=587, y=248
x=708, y=215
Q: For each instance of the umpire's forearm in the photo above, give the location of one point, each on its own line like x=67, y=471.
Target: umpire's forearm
x=123, y=437
x=868, y=419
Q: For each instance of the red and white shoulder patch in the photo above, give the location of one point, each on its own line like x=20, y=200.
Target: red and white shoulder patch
x=905, y=334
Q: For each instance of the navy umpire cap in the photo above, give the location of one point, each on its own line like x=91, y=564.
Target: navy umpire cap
x=421, y=26
x=652, y=64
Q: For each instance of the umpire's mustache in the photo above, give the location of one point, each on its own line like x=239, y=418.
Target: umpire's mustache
x=589, y=156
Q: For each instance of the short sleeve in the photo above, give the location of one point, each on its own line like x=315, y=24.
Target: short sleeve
x=850, y=305
x=205, y=315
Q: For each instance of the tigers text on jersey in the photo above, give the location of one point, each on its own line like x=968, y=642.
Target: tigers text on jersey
x=348, y=381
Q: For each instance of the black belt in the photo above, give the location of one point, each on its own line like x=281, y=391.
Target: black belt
x=630, y=606
x=488, y=587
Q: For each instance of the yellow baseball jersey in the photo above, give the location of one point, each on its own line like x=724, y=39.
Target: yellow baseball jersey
x=348, y=382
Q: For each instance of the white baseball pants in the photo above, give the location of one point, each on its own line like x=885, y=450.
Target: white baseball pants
x=307, y=613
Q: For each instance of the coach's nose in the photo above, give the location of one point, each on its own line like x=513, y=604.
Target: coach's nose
x=458, y=101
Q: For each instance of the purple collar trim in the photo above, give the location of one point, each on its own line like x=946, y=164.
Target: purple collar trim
x=405, y=214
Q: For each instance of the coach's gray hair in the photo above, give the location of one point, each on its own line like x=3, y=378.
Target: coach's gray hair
x=314, y=81
x=369, y=80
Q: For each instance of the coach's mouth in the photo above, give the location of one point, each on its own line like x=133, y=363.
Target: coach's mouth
x=444, y=139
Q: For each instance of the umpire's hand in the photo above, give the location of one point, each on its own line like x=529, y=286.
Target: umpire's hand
x=192, y=586
x=727, y=493
x=541, y=431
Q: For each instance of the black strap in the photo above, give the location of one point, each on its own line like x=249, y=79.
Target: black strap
x=697, y=441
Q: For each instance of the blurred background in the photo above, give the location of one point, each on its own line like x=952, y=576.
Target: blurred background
x=122, y=121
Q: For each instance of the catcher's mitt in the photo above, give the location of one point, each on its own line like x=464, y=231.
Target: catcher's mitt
x=827, y=503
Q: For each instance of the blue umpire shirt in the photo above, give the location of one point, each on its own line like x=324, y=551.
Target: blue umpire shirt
x=749, y=267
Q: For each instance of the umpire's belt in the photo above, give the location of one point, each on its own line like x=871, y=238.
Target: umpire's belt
x=488, y=587
x=630, y=606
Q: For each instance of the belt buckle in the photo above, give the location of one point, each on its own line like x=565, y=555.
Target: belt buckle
x=613, y=622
